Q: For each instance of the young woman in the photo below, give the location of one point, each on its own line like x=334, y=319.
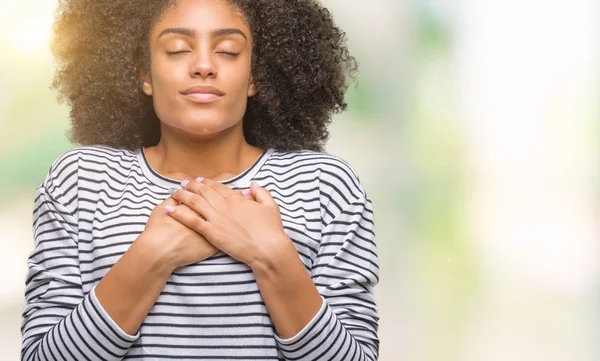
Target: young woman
x=200, y=218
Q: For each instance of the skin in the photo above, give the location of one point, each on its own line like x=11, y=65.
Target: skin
x=200, y=139
x=206, y=139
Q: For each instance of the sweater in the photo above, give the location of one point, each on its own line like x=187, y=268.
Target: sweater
x=96, y=200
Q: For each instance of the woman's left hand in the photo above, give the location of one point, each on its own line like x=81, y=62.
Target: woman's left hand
x=247, y=226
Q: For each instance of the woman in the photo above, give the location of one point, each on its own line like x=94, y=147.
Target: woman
x=200, y=219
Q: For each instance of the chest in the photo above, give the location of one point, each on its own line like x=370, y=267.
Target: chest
x=113, y=220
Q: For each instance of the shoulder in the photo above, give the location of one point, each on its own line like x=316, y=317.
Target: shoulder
x=88, y=155
x=67, y=167
x=321, y=160
x=62, y=182
x=339, y=183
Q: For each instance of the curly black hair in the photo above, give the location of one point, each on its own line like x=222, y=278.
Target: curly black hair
x=300, y=64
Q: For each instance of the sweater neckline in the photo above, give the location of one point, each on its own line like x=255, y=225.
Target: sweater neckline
x=241, y=180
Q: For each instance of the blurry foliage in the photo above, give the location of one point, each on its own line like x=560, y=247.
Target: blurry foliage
x=32, y=124
x=436, y=194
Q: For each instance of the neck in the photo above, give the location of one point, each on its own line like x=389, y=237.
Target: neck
x=219, y=157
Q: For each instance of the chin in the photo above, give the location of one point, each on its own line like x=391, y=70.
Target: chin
x=204, y=127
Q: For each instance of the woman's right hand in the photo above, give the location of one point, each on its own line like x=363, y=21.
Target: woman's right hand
x=175, y=244
x=130, y=288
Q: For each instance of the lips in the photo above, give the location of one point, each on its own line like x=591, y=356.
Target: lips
x=202, y=93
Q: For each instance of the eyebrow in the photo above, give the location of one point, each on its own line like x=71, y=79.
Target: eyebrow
x=214, y=33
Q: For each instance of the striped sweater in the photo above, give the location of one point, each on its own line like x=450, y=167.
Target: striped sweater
x=94, y=203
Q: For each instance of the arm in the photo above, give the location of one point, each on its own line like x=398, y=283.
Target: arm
x=128, y=296
x=59, y=321
x=343, y=324
x=344, y=272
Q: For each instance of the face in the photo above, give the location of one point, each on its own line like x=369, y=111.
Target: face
x=200, y=79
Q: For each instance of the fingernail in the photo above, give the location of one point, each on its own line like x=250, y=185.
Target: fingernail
x=246, y=192
x=172, y=190
x=184, y=182
x=169, y=209
x=199, y=179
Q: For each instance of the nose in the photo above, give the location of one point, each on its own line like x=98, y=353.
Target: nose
x=203, y=65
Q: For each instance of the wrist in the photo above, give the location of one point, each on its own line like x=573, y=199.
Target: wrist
x=290, y=296
x=273, y=259
x=159, y=260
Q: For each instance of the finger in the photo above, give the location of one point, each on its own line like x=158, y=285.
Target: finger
x=195, y=201
x=261, y=195
x=183, y=208
x=169, y=201
x=247, y=193
x=201, y=187
x=191, y=219
x=219, y=187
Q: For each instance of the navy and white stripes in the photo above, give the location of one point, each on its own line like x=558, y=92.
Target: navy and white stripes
x=96, y=200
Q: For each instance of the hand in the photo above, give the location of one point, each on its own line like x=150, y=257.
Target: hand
x=246, y=227
x=175, y=243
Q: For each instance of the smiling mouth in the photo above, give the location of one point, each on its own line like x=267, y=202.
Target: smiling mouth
x=202, y=97
x=203, y=93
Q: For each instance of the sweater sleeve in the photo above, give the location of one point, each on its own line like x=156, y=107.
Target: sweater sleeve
x=59, y=321
x=345, y=272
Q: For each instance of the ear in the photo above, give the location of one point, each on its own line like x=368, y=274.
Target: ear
x=251, y=87
x=146, y=85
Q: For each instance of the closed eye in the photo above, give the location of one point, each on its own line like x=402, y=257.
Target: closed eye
x=178, y=52
x=228, y=53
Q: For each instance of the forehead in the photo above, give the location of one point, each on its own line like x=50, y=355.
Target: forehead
x=202, y=15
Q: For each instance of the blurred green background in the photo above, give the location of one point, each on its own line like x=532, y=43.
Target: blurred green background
x=475, y=132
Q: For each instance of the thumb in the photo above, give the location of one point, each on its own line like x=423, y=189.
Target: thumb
x=261, y=195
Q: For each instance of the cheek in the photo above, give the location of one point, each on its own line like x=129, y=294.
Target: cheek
x=164, y=78
x=238, y=80
x=238, y=95
x=164, y=88
x=238, y=85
